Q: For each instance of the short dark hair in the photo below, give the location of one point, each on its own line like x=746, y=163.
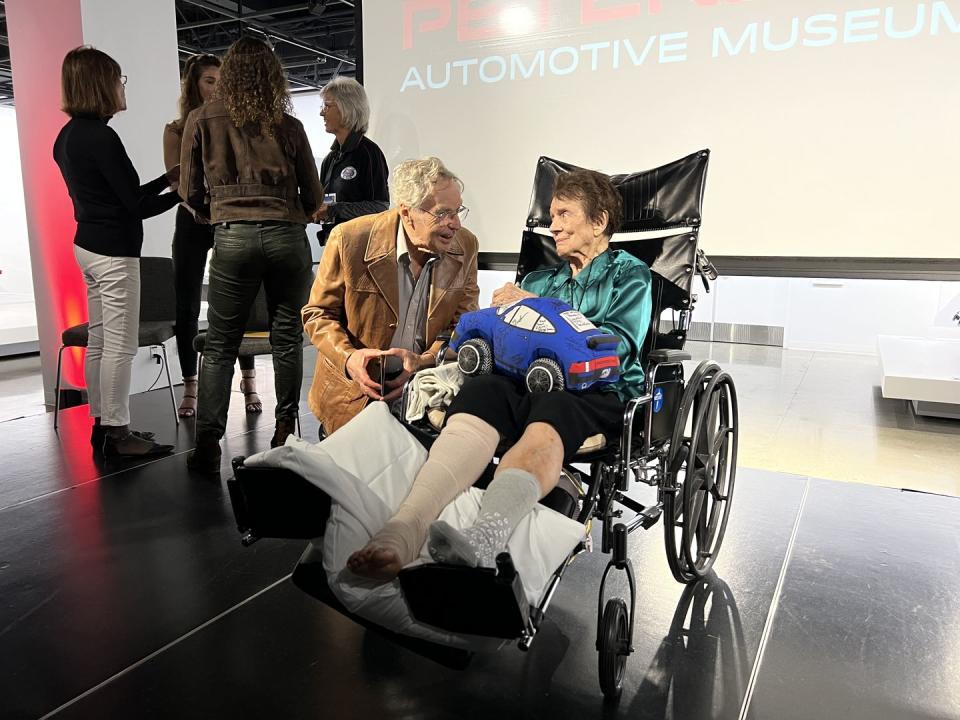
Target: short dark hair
x=595, y=193
x=88, y=83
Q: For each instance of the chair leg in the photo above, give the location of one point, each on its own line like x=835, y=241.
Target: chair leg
x=199, y=375
x=173, y=399
x=56, y=397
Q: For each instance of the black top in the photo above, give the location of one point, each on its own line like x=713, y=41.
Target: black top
x=109, y=204
x=357, y=173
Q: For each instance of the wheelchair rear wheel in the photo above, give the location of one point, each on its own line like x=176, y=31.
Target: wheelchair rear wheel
x=613, y=647
x=702, y=467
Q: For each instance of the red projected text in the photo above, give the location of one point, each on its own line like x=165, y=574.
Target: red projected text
x=478, y=20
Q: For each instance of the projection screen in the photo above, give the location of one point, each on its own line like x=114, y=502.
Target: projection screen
x=832, y=123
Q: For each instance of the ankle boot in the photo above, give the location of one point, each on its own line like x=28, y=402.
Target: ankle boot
x=205, y=457
x=285, y=428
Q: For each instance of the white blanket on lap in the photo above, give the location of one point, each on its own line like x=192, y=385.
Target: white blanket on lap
x=367, y=468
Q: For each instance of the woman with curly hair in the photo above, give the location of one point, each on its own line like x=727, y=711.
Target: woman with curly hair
x=192, y=240
x=247, y=167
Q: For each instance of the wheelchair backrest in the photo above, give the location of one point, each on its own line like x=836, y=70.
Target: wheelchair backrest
x=666, y=198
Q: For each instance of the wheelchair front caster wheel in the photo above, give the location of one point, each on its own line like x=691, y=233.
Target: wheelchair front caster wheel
x=613, y=647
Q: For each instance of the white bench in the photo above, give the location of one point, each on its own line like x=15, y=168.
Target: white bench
x=923, y=370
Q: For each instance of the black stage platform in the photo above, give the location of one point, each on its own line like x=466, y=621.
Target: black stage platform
x=125, y=593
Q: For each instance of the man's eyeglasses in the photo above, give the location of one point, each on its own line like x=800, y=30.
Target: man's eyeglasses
x=445, y=215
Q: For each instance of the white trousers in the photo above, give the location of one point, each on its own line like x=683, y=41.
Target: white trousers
x=113, y=303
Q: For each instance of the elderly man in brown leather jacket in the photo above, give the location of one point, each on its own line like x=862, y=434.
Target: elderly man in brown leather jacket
x=388, y=285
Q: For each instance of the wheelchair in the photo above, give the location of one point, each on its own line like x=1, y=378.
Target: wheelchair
x=679, y=436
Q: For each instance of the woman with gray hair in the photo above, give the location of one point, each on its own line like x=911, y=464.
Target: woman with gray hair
x=354, y=172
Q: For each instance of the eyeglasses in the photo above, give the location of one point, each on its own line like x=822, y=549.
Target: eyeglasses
x=327, y=104
x=445, y=215
x=123, y=80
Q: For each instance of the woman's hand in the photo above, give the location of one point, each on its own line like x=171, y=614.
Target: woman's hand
x=507, y=294
x=321, y=214
x=173, y=177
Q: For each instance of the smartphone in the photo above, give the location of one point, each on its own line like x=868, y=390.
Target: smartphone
x=390, y=368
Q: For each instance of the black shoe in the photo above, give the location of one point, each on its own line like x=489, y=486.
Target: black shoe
x=133, y=446
x=285, y=428
x=205, y=457
x=98, y=433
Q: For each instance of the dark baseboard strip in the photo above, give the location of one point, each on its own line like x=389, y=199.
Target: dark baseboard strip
x=841, y=267
x=947, y=269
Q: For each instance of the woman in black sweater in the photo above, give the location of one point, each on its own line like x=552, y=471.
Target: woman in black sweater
x=109, y=206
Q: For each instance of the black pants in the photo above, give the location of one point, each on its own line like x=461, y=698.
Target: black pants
x=244, y=256
x=191, y=243
x=506, y=405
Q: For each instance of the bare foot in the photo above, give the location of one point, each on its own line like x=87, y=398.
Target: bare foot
x=376, y=561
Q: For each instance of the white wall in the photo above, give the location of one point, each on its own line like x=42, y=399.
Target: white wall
x=15, y=282
x=141, y=35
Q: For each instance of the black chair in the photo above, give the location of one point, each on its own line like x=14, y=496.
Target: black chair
x=157, y=313
x=256, y=336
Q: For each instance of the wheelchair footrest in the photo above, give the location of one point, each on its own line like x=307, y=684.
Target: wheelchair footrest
x=474, y=601
x=278, y=503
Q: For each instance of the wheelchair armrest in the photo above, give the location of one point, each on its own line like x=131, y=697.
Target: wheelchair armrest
x=668, y=356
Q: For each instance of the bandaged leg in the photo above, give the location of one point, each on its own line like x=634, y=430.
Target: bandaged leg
x=457, y=459
x=526, y=473
x=511, y=495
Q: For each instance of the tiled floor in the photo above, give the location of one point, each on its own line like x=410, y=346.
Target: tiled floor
x=808, y=413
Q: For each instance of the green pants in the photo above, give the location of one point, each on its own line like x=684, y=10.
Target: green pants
x=244, y=256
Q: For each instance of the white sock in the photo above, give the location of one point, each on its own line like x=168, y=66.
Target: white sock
x=512, y=494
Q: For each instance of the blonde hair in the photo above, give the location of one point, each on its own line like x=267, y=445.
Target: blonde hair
x=351, y=98
x=88, y=83
x=414, y=180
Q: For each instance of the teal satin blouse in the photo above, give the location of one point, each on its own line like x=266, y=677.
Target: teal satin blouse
x=614, y=292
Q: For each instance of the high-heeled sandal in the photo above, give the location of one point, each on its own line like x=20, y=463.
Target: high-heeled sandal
x=188, y=405
x=252, y=405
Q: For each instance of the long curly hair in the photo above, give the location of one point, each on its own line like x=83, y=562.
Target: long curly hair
x=253, y=86
x=190, y=83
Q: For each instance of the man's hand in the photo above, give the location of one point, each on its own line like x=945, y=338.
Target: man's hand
x=357, y=370
x=321, y=214
x=507, y=294
x=411, y=364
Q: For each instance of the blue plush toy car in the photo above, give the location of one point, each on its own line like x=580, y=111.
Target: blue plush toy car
x=543, y=340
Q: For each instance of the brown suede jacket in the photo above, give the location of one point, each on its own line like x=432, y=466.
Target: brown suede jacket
x=353, y=305
x=249, y=176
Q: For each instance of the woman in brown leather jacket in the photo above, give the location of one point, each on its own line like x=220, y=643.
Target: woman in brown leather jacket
x=192, y=241
x=251, y=159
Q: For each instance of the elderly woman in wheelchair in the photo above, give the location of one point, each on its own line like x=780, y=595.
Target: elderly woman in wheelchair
x=543, y=430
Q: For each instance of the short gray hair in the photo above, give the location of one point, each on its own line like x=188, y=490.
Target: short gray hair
x=351, y=98
x=413, y=180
